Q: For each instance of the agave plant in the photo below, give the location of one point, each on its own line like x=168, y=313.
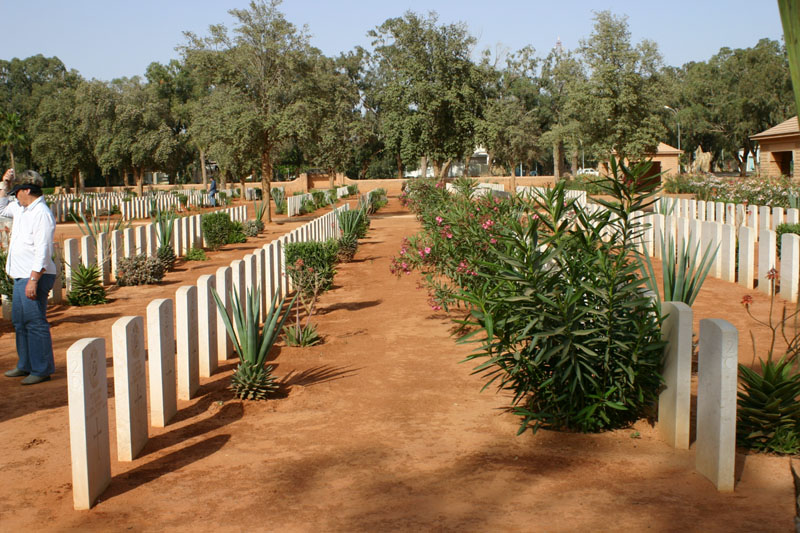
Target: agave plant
x=768, y=412
x=86, y=287
x=279, y=196
x=252, y=380
x=683, y=273
x=95, y=227
x=165, y=222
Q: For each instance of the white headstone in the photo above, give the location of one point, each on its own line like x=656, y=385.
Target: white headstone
x=87, y=391
x=88, y=251
x=747, y=259
x=766, y=259
x=727, y=253
x=207, y=332
x=103, y=260
x=224, y=285
x=717, y=375
x=186, y=342
x=790, y=266
x=674, y=402
x=130, y=386
x=161, y=361
x=72, y=259
x=117, y=251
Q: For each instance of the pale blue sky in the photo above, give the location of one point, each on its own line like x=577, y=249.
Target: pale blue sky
x=105, y=39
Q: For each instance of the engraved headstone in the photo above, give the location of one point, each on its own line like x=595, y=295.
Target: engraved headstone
x=87, y=391
x=130, y=386
x=161, y=362
x=207, y=332
x=186, y=342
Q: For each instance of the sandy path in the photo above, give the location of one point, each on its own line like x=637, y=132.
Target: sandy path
x=377, y=429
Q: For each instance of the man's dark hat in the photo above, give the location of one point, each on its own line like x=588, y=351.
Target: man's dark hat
x=28, y=180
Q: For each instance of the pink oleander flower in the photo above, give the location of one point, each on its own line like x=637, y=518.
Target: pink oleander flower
x=439, y=220
x=427, y=250
x=493, y=240
x=449, y=235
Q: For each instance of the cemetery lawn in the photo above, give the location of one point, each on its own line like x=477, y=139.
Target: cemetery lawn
x=377, y=429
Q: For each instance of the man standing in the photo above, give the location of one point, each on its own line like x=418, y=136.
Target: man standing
x=212, y=193
x=30, y=264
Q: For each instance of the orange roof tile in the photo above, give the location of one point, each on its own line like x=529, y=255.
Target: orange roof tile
x=787, y=127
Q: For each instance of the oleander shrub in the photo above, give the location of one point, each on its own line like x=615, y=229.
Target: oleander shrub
x=6, y=281
x=86, y=286
x=320, y=199
x=139, y=270
x=785, y=228
x=318, y=257
x=219, y=229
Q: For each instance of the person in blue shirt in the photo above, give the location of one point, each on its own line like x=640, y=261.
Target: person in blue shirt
x=212, y=193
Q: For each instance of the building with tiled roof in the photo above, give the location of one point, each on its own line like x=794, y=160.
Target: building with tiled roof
x=780, y=148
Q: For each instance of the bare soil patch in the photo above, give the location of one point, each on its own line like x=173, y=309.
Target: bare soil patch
x=377, y=429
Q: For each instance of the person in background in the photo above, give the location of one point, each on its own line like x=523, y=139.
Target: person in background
x=30, y=264
x=212, y=193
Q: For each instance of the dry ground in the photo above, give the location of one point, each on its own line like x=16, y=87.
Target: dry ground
x=378, y=429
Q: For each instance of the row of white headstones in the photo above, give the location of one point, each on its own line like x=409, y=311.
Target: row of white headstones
x=179, y=353
x=106, y=249
x=130, y=207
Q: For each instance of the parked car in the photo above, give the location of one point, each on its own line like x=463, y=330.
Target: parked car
x=588, y=171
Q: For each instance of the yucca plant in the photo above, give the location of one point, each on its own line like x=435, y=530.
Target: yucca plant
x=96, y=227
x=279, y=196
x=165, y=222
x=683, y=273
x=350, y=224
x=768, y=411
x=259, y=208
x=252, y=380
x=86, y=288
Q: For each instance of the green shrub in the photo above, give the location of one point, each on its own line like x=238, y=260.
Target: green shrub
x=6, y=281
x=219, y=229
x=253, y=227
x=196, y=254
x=320, y=199
x=279, y=196
x=785, y=228
x=86, y=286
x=139, y=270
x=319, y=256
x=561, y=315
x=307, y=206
x=352, y=189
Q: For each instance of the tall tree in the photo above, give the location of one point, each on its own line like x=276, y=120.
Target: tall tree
x=266, y=61
x=620, y=102
x=429, y=88
x=11, y=133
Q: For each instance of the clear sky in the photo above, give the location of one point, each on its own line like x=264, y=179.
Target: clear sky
x=106, y=39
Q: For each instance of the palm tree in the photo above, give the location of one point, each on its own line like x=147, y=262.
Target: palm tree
x=10, y=133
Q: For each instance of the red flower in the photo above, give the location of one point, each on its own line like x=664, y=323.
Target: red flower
x=747, y=300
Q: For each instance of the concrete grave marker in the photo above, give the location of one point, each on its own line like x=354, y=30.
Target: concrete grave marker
x=716, y=402
x=207, y=319
x=186, y=342
x=161, y=361
x=90, y=451
x=130, y=386
x=674, y=402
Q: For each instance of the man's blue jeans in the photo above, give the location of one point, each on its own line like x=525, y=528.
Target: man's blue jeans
x=34, y=345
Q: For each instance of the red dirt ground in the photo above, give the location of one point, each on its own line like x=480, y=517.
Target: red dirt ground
x=378, y=429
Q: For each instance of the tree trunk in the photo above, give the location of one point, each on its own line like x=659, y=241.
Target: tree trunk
x=575, y=162
x=108, y=179
x=266, y=180
x=489, y=159
x=138, y=174
x=331, y=175
x=75, y=181
x=243, y=183
x=203, y=167
x=513, y=190
x=558, y=160
x=445, y=170
x=400, y=166
x=11, y=155
x=423, y=166
x=437, y=167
